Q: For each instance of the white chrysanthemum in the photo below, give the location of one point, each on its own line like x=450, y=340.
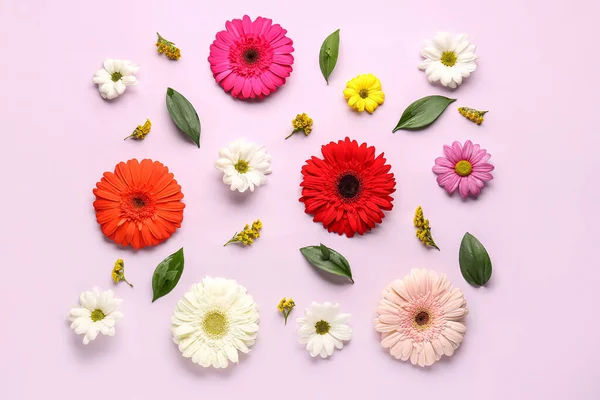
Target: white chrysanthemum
x=96, y=314
x=448, y=59
x=324, y=329
x=244, y=165
x=215, y=320
x=113, y=79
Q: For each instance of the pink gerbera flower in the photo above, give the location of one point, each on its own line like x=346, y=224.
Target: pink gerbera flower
x=464, y=167
x=418, y=317
x=251, y=58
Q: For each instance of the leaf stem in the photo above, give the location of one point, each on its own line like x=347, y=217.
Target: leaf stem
x=285, y=316
x=290, y=135
x=125, y=280
x=232, y=240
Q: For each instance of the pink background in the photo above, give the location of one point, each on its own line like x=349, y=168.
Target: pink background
x=532, y=332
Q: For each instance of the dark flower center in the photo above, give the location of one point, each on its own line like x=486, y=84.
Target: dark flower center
x=348, y=186
x=138, y=202
x=364, y=93
x=250, y=55
x=422, y=318
x=322, y=327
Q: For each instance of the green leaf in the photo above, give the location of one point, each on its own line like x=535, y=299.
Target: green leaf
x=329, y=54
x=184, y=115
x=423, y=112
x=325, y=252
x=475, y=263
x=335, y=263
x=167, y=274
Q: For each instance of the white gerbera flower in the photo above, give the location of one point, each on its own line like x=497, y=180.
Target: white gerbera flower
x=448, y=59
x=96, y=314
x=215, y=320
x=323, y=328
x=113, y=79
x=244, y=165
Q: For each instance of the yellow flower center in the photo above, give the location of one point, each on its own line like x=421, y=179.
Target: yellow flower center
x=215, y=324
x=463, y=168
x=116, y=76
x=422, y=320
x=364, y=93
x=448, y=58
x=241, y=166
x=322, y=327
x=97, y=315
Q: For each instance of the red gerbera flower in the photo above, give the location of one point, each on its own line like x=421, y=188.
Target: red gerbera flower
x=251, y=58
x=347, y=189
x=139, y=204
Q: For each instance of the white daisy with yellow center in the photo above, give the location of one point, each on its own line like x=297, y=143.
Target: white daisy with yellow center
x=323, y=329
x=448, y=59
x=244, y=165
x=214, y=321
x=97, y=313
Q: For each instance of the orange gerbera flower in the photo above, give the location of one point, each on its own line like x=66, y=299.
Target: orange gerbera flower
x=139, y=204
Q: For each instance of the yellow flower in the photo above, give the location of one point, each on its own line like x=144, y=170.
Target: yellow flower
x=423, y=231
x=285, y=307
x=168, y=48
x=472, y=114
x=118, y=272
x=247, y=235
x=364, y=93
x=141, y=131
x=302, y=123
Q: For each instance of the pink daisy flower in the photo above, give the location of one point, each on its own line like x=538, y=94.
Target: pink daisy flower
x=251, y=59
x=464, y=167
x=419, y=317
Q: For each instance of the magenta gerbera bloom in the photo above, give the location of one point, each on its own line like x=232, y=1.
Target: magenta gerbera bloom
x=464, y=167
x=251, y=59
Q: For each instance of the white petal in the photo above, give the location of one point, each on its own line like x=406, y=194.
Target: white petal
x=109, y=66
x=129, y=80
x=101, y=76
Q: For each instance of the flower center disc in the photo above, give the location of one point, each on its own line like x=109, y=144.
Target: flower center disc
x=448, y=58
x=348, y=186
x=250, y=55
x=138, y=202
x=364, y=93
x=215, y=324
x=322, y=327
x=97, y=315
x=116, y=76
x=422, y=318
x=241, y=166
x=463, y=168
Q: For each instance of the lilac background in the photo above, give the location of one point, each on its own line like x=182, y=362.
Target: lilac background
x=532, y=333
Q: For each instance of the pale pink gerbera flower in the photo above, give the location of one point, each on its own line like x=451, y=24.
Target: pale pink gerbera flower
x=464, y=167
x=418, y=317
x=251, y=58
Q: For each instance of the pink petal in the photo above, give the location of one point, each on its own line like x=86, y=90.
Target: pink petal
x=247, y=25
x=284, y=59
x=217, y=52
x=444, y=162
x=218, y=68
x=266, y=26
x=257, y=25
x=484, y=176
x=283, y=49
x=264, y=77
x=222, y=75
x=451, y=154
x=231, y=28
x=463, y=187
x=473, y=187
x=274, y=33
x=277, y=81
x=228, y=82
x=226, y=37
x=238, y=26
x=282, y=41
x=477, y=156
x=467, y=150
x=438, y=169
x=457, y=149
x=237, y=86
x=483, y=167
x=257, y=86
x=247, y=89
x=452, y=183
x=280, y=70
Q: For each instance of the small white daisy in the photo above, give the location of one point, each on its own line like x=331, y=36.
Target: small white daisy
x=323, y=329
x=214, y=321
x=113, y=79
x=448, y=59
x=97, y=313
x=244, y=165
